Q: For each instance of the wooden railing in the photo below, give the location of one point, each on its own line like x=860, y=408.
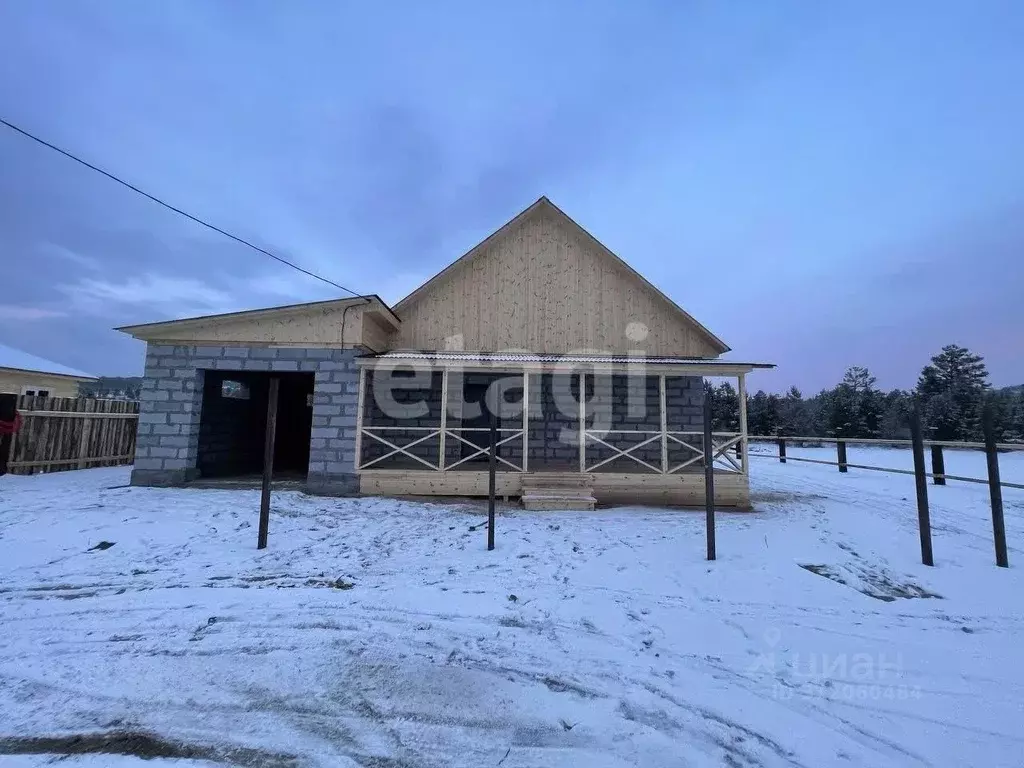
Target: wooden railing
x=424, y=434
x=396, y=440
x=721, y=441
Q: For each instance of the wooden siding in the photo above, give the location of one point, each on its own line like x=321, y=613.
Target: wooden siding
x=686, y=490
x=312, y=326
x=543, y=285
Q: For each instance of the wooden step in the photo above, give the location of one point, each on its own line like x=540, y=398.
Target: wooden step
x=533, y=480
x=557, y=490
x=555, y=499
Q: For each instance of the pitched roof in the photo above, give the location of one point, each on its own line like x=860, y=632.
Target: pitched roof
x=544, y=202
x=23, y=361
x=252, y=314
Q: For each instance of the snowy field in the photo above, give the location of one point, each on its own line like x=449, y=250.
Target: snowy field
x=382, y=633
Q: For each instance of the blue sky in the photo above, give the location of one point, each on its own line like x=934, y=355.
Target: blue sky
x=822, y=184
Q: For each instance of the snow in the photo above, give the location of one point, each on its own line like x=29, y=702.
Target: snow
x=23, y=361
x=375, y=631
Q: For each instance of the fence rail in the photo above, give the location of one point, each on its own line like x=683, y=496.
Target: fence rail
x=938, y=474
x=61, y=433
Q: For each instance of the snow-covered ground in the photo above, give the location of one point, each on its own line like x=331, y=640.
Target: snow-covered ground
x=382, y=633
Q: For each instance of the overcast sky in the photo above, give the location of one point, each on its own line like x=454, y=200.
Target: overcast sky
x=821, y=184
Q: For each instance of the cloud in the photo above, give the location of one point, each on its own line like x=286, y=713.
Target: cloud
x=88, y=262
x=165, y=295
x=28, y=314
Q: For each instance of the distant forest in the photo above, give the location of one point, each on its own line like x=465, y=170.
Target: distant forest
x=112, y=387
x=951, y=391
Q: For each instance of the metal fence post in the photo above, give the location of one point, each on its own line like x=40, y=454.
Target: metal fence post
x=782, y=449
x=841, y=449
x=938, y=466
x=921, y=480
x=492, y=468
x=994, y=489
x=709, y=478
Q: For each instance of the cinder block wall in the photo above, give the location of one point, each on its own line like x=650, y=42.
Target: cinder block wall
x=171, y=404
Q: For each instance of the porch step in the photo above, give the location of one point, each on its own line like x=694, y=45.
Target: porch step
x=557, y=490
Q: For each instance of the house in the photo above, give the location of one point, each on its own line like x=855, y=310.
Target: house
x=25, y=374
x=395, y=401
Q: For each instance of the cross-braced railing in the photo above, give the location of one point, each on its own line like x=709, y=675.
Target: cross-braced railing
x=422, y=436
x=721, y=443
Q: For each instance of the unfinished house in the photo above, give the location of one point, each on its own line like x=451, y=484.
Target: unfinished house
x=588, y=379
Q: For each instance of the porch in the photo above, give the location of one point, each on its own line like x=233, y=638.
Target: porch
x=636, y=434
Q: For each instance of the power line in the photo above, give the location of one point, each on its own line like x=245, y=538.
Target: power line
x=187, y=215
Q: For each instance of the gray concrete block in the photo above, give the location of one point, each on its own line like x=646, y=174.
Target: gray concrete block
x=323, y=432
x=174, y=441
x=236, y=351
x=154, y=395
x=256, y=365
x=208, y=351
x=284, y=365
x=263, y=353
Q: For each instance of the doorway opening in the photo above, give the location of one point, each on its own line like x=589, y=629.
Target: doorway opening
x=233, y=424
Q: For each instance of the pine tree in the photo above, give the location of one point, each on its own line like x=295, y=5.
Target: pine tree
x=725, y=407
x=763, y=414
x=952, y=389
x=868, y=402
x=794, y=414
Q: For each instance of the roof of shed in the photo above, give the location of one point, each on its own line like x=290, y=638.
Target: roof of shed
x=17, y=360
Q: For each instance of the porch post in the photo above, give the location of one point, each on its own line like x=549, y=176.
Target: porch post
x=526, y=420
x=744, y=443
x=664, y=425
x=444, y=417
x=583, y=423
x=359, y=418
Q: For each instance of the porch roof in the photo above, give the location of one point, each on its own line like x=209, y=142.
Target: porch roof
x=531, y=361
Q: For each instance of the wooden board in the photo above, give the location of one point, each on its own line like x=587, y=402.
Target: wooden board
x=60, y=433
x=731, y=489
x=545, y=285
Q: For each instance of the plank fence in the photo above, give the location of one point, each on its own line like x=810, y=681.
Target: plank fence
x=61, y=433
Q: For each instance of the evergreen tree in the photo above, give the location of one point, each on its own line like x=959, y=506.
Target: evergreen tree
x=763, y=414
x=895, y=417
x=725, y=407
x=794, y=414
x=869, y=403
x=952, y=389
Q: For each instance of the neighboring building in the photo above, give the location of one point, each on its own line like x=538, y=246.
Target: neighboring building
x=396, y=401
x=25, y=374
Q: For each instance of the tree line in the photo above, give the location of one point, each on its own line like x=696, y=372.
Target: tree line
x=952, y=393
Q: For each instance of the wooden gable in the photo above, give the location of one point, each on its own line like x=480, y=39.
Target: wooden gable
x=542, y=283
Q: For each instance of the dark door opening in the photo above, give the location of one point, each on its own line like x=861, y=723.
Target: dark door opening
x=233, y=423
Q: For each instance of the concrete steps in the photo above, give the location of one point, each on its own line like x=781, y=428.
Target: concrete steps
x=557, y=490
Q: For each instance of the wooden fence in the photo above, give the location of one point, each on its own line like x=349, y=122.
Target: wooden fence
x=60, y=433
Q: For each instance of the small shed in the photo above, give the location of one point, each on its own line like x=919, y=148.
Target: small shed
x=25, y=374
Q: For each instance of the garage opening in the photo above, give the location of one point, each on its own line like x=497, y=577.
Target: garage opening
x=233, y=424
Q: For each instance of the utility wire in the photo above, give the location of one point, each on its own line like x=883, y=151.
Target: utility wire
x=187, y=215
